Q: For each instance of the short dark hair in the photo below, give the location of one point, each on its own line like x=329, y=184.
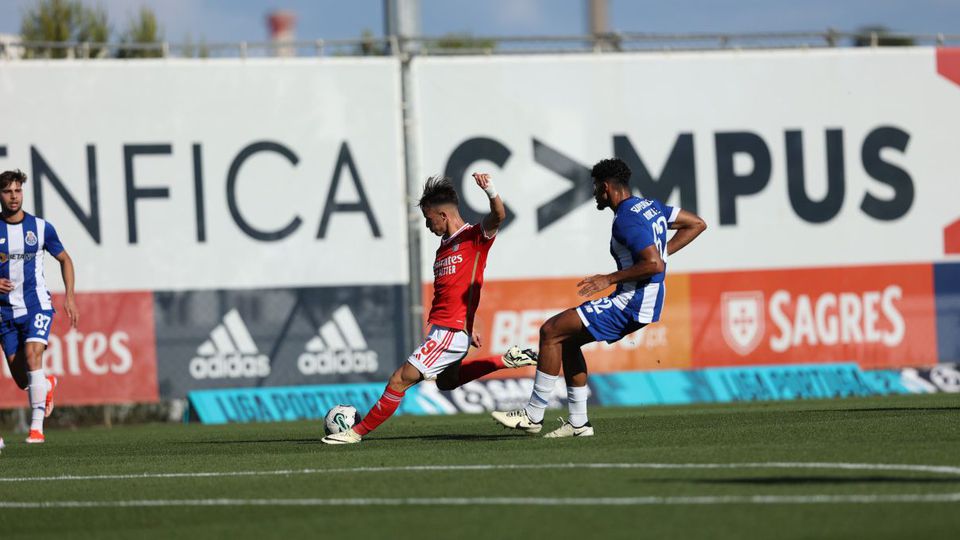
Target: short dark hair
x=611, y=169
x=438, y=190
x=8, y=177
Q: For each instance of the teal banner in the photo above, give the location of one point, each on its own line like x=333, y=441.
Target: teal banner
x=637, y=388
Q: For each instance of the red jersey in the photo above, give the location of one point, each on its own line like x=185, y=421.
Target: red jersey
x=458, y=276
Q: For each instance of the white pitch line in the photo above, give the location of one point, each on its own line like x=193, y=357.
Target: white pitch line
x=935, y=469
x=502, y=501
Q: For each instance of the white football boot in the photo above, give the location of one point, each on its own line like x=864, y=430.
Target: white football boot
x=566, y=429
x=517, y=419
x=344, y=437
x=517, y=357
x=2, y=446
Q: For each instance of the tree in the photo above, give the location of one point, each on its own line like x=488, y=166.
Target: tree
x=63, y=21
x=885, y=37
x=369, y=45
x=192, y=50
x=141, y=30
x=464, y=41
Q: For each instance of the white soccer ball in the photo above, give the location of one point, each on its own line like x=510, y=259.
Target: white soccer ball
x=340, y=418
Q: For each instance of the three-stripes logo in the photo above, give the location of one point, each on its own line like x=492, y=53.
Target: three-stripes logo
x=230, y=353
x=339, y=348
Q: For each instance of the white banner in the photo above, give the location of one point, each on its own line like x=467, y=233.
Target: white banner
x=167, y=174
x=794, y=158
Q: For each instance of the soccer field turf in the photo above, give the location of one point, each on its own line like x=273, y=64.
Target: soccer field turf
x=784, y=470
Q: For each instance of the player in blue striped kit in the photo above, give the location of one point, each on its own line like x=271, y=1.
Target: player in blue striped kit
x=640, y=247
x=26, y=310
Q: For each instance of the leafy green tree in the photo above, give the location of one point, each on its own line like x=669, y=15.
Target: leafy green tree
x=463, y=41
x=369, y=46
x=141, y=30
x=63, y=21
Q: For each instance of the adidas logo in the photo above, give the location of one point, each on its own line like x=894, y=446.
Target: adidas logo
x=338, y=348
x=230, y=353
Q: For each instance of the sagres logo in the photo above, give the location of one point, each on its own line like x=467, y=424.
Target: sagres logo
x=230, y=353
x=813, y=319
x=742, y=320
x=338, y=348
x=867, y=317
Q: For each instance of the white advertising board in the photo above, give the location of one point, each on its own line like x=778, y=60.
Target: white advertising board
x=170, y=174
x=794, y=158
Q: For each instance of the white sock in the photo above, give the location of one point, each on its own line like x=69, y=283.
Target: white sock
x=37, y=391
x=542, y=390
x=577, y=404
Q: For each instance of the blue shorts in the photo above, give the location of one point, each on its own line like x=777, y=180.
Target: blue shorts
x=34, y=326
x=607, y=322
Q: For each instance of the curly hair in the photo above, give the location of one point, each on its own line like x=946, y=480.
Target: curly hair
x=8, y=177
x=611, y=169
x=438, y=190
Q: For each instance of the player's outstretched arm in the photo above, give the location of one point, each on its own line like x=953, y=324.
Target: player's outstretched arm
x=492, y=221
x=70, y=303
x=688, y=226
x=649, y=263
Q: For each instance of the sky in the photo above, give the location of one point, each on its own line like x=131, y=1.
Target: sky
x=244, y=20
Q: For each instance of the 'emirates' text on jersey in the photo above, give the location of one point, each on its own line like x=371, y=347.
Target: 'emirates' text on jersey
x=458, y=277
x=638, y=224
x=21, y=261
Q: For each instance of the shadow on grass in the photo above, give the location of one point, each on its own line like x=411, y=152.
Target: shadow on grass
x=454, y=437
x=374, y=439
x=810, y=480
x=258, y=441
x=885, y=409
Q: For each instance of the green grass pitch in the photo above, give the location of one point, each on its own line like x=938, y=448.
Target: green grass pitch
x=728, y=471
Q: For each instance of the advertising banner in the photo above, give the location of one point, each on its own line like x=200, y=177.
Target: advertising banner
x=801, y=158
x=109, y=358
x=878, y=316
x=757, y=383
x=260, y=206
x=273, y=404
x=939, y=378
x=274, y=337
x=629, y=388
x=946, y=279
x=213, y=174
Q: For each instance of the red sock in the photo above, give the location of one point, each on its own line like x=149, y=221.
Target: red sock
x=471, y=370
x=385, y=407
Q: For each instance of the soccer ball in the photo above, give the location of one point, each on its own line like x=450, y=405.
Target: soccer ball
x=340, y=418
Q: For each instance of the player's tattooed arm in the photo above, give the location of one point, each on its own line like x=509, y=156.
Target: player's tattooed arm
x=498, y=212
x=69, y=303
x=648, y=264
x=688, y=226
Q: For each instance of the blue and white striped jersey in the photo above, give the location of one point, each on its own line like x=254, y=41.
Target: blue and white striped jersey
x=638, y=224
x=21, y=261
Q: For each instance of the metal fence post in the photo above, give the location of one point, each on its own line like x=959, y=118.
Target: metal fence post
x=401, y=22
x=411, y=171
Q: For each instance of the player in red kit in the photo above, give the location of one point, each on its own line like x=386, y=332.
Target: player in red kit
x=458, y=278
